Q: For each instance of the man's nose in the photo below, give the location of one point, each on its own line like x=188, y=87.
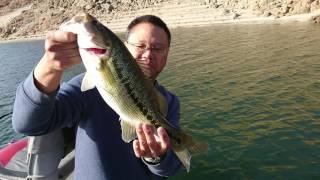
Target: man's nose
x=147, y=55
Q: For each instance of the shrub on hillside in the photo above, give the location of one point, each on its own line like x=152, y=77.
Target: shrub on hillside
x=7, y=6
x=14, y=4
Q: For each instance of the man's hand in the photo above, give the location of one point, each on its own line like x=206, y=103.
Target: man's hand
x=61, y=52
x=148, y=144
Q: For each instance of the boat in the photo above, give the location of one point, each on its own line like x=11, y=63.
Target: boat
x=45, y=157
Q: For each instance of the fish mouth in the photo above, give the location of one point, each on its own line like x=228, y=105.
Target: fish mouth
x=98, y=51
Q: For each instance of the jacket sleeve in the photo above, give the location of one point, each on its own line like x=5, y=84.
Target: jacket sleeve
x=37, y=113
x=170, y=164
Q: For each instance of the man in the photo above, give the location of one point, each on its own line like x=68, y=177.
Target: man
x=42, y=106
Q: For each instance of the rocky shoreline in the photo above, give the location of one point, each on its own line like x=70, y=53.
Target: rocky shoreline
x=45, y=15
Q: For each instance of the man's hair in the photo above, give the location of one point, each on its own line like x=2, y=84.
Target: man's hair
x=154, y=20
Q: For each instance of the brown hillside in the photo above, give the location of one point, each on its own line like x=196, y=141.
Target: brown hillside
x=46, y=15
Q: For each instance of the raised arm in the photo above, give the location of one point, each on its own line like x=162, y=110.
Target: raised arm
x=37, y=108
x=61, y=52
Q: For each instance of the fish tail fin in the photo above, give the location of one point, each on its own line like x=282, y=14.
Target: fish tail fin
x=187, y=147
x=184, y=156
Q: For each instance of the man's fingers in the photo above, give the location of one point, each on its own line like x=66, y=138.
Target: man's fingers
x=148, y=144
x=62, y=50
x=64, y=58
x=151, y=141
x=164, y=139
x=66, y=63
x=136, y=148
x=61, y=36
x=141, y=137
x=68, y=53
x=54, y=46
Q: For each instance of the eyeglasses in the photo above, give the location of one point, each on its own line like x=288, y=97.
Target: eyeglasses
x=142, y=48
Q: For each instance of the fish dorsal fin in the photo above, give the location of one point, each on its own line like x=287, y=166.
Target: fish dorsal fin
x=87, y=82
x=128, y=131
x=162, y=103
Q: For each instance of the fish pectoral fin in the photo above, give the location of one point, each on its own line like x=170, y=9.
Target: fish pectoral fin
x=162, y=103
x=128, y=131
x=87, y=82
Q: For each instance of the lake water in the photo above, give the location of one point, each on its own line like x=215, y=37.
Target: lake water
x=251, y=91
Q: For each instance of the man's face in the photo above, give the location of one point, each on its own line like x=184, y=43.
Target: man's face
x=148, y=44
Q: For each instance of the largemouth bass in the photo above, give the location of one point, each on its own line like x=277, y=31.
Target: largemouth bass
x=123, y=86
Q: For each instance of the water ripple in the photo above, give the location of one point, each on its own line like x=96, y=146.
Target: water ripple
x=250, y=91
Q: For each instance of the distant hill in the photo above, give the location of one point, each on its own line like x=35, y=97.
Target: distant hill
x=46, y=15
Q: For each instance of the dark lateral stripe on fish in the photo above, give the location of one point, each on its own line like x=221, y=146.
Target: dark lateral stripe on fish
x=174, y=137
x=130, y=91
